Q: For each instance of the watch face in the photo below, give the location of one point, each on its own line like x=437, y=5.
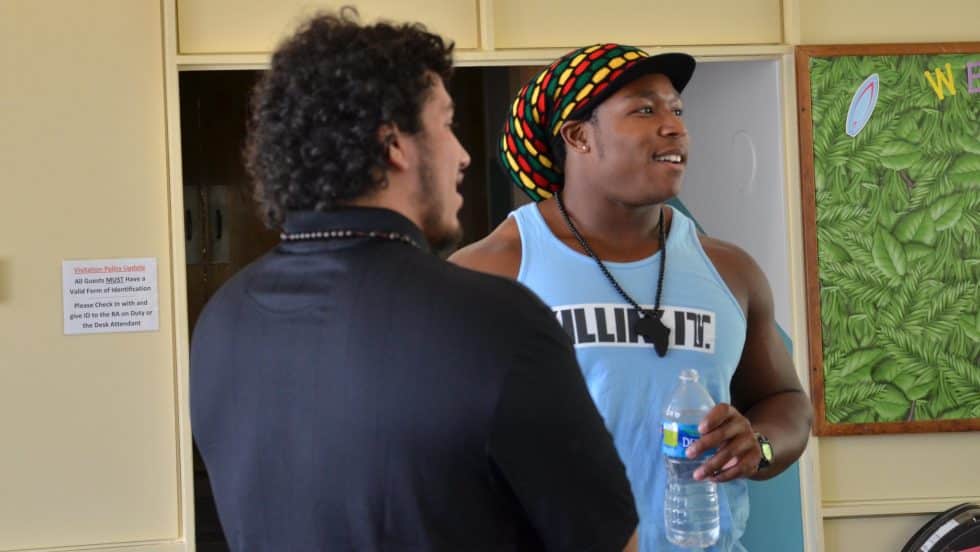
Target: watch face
x=767, y=451
x=766, y=448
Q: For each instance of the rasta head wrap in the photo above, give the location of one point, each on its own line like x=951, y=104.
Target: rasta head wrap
x=569, y=89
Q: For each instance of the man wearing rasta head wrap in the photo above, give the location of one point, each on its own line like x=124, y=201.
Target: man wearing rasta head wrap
x=598, y=140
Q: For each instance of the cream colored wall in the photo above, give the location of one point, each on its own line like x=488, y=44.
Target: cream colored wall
x=875, y=490
x=870, y=533
x=89, y=423
x=869, y=483
x=870, y=21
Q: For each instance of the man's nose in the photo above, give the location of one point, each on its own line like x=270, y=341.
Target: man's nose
x=673, y=125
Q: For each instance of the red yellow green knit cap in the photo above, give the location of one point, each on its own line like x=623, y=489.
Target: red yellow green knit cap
x=571, y=86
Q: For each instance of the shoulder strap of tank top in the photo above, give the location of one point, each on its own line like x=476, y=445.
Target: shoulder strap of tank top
x=532, y=229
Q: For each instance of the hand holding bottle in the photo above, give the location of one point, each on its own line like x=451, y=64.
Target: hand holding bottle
x=737, y=451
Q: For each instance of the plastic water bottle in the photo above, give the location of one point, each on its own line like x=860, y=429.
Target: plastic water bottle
x=690, y=506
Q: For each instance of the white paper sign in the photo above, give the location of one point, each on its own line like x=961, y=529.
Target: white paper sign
x=110, y=295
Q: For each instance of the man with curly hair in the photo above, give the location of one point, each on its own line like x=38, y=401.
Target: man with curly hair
x=352, y=391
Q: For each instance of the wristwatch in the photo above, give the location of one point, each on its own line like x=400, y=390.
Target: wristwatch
x=766, y=448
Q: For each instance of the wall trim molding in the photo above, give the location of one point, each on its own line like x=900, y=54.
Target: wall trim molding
x=892, y=506
x=186, y=541
x=492, y=58
x=810, y=489
x=131, y=546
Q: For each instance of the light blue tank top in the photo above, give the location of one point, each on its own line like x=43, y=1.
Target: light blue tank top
x=629, y=383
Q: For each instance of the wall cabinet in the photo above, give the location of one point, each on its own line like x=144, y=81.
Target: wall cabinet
x=256, y=26
x=569, y=24
x=483, y=26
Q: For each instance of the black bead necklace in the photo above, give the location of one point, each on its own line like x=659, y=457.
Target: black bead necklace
x=649, y=324
x=348, y=235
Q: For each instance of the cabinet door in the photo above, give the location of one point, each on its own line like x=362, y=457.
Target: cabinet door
x=573, y=23
x=256, y=26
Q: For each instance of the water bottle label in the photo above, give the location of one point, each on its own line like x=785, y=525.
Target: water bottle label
x=677, y=437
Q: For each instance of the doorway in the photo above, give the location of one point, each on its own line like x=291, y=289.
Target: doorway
x=734, y=186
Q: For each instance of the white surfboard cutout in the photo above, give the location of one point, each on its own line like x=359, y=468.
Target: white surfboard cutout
x=862, y=105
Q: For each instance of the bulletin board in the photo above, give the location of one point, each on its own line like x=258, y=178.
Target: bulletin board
x=890, y=173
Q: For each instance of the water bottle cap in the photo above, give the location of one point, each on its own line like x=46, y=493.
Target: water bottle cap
x=689, y=375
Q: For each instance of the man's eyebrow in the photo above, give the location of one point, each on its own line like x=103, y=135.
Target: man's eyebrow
x=653, y=95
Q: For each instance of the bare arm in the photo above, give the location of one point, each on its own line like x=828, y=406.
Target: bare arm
x=634, y=544
x=766, y=393
x=498, y=254
x=766, y=387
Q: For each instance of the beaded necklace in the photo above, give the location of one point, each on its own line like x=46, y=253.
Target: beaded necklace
x=649, y=324
x=349, y=234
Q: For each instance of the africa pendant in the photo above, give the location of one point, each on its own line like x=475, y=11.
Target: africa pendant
x=652, y=328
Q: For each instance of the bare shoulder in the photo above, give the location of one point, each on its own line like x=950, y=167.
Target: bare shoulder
x=740, y=271
x=726, y=254
x=498, y=254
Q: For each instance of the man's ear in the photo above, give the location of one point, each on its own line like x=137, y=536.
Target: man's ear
x=576, y=136
x=396, y=146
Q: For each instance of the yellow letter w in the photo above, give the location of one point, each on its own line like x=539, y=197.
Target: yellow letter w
x=941, y=80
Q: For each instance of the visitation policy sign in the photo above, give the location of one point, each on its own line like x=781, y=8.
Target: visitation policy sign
x=110, y=295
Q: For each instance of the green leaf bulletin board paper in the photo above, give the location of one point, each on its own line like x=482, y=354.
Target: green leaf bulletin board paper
x=890, y=167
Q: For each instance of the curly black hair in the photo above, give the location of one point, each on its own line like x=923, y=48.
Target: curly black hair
x=313, y=140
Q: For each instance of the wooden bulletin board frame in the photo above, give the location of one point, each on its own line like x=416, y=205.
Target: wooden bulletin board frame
x=866, y=359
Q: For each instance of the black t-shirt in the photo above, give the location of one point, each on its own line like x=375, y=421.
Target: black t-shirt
x=362, y=394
